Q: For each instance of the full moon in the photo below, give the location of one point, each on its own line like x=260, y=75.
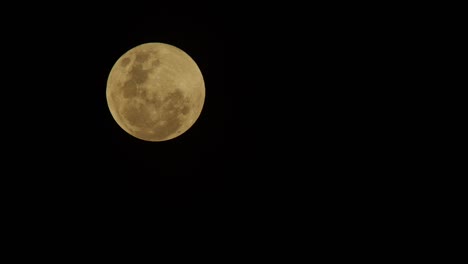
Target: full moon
x=155, y=92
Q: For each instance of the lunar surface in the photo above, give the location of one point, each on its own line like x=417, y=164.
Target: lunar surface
x=155, y=92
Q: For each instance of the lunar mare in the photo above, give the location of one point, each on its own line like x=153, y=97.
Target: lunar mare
x=155, y=92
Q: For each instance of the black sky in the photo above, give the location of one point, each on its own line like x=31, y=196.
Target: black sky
x=306, y=110
x=281, y=105
x=190, y=170
x=73, y=150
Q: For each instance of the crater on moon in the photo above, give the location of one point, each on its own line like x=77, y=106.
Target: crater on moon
x=155, y=92
x=145, y=114
x=125, y=62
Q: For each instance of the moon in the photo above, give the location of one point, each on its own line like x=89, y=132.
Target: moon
x=155, y=92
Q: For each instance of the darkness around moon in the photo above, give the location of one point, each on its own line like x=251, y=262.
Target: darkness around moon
x=183, y=172
x=249, y=127
x=304, y=108
x=89, y=159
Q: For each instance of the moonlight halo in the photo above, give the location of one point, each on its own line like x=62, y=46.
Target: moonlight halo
x=155, y=91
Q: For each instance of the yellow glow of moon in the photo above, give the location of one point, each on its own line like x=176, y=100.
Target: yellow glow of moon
x=155, y=92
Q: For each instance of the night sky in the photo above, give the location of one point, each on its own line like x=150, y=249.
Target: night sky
x=80, y=152
x=303, y=108
x=190, y=170
x=269, y=94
